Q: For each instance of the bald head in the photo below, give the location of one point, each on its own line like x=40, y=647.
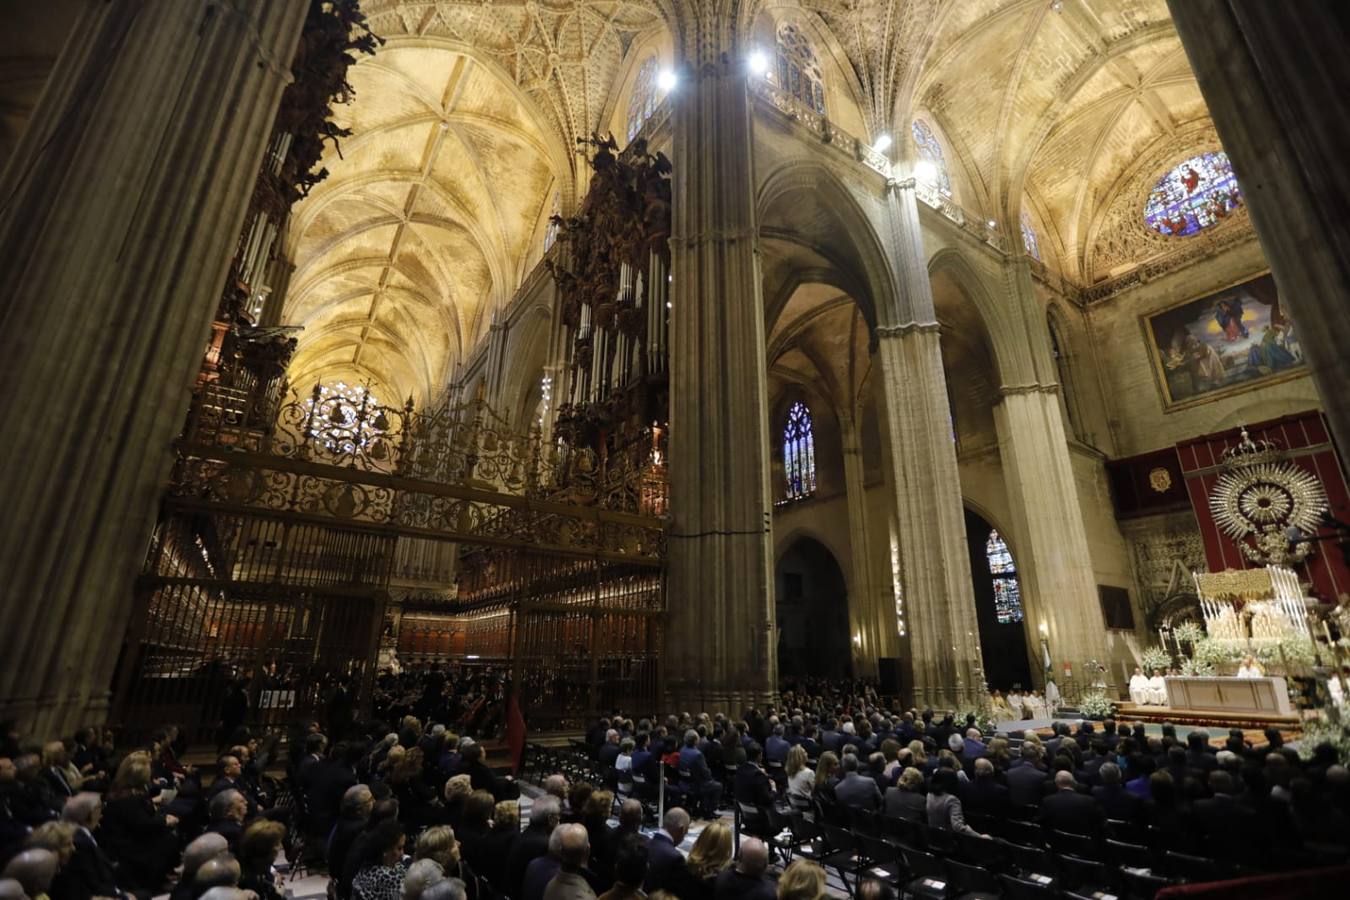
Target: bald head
x=218, y=871
x=227, y=893
x=1064, y=780
x=11, y=890
x=208, y=846
x=754, y=857
x=630, y=814
x=34, y=870
x=576, y=846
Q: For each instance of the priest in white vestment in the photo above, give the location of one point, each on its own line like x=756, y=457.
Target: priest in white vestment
x=1015, y=703
x=1139, y=687
x=1250, y=668
x=1157, y=689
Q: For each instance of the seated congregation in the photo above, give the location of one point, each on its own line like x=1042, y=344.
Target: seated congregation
x=828, y=791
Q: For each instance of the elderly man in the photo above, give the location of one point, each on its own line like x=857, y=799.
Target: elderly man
x=353, y=814
x=198, y=853
x=666, y=863
x=539, y=873
x=746, y=880
x=570, y=883
x=609, y=750
x=421, y=875
x=228, y=809
x=532, y=843
x=61, y=777
x=34, y=870
x=448, y=889
x=89, y=873
x=1068, y=810
x=856, y=789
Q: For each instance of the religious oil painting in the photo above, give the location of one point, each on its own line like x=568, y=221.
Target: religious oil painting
x=1222, y=343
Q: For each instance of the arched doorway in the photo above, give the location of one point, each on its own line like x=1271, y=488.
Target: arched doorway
x=812, y=603
x=998, y=606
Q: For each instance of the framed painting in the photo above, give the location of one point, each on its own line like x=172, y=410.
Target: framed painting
x=1222, y=343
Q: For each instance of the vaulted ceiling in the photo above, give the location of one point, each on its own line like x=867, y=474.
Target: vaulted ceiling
x=1050, y=106
x=465, y=125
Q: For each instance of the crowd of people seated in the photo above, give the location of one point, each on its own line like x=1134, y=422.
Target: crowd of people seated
x=412, y=811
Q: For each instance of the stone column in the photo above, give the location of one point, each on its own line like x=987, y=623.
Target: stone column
x=871, y=610
x=721, y=640
x=1274, y=76
x=922, y=478
x=1054, y=566
x=121, y=210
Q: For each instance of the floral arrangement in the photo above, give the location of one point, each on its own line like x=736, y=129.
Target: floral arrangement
x=1291, y=652
x=1193, y=666
x=983, y=720
x=1216, y=654
x=1096, y=705
x=1155, y=658
x=1319, y=731
x=1188, y=633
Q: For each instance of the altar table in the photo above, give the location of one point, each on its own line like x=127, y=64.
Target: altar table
x=1235, y=695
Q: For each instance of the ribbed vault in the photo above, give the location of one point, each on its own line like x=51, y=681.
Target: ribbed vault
x=424, y=225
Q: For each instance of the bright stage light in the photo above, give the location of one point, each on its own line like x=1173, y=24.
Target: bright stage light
x=666, y=80
x=882, y=143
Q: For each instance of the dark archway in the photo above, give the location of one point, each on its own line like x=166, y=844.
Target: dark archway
x=812, y=612
x=1004, y=644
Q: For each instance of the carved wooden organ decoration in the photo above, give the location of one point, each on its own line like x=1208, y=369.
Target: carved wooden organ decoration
x=612, y=266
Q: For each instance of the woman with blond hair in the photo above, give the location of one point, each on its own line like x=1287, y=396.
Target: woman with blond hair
x=801, y=780
x=258, y=849
x=439, y=844
x=133, y=830
x=906, y=800
x=710, y=855
x=827, y=775
x=803, y=880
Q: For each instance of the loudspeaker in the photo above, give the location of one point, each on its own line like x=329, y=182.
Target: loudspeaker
x=888, y=673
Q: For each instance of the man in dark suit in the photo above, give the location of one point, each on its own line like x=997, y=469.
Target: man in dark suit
x=665, y=861
x=89, y=873
x=830, y=738
x=856, y=790
x=1115, y=801
x=972, y=748
x=1109, y=736
x=227, y=810
x=1199, y=755
x=746, y=880
x=329, y=783
x=696, y=778
x=609, y=750
x=752, y=786
x=309, y=764
x=984, y=795
x=1068, y=810
x=1026, y=783
x=532, y=843
x=1223, y=817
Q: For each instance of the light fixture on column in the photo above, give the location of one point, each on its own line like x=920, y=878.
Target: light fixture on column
x=925, y=171
x=882, y=143
x=758, y=64
x=667, y=80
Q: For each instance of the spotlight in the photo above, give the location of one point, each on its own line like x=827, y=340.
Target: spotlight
x=667, y=79
x=759, y=64
x=991, y=223
x=925, y=171
x=882, y=143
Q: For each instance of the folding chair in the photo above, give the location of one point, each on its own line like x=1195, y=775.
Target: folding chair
x=973, y=882
x=928, y=876
x=844, y=855
x=1028, y=834
x=1142, y=885
x=980, y=851
x=1134, y=856
x=884, y=861
x=1191, y=868
x=1025, y=889
x=808, y=840
x=1032, y=863
x=1085, y=873
x=1074, y=844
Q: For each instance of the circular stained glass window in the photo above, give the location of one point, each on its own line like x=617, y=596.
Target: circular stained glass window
x=1197, y=194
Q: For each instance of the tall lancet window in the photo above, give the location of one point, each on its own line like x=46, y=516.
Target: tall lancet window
x=799, y=452
x=1007, y=593
x=798, y=70
x=642, y=102
x=551, y=230
x=932, y=164
x=1029, y=242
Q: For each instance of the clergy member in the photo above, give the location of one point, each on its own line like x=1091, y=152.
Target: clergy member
x=1157, y=689
x=1250, y=668
x=1139, y=687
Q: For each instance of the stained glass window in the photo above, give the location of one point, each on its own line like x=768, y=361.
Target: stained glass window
x=1197, y=194
x=1007, y=593
x=1029, y=242
x=799, y=452
x=934, y=173
x=798, y=71
x=642, y=101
